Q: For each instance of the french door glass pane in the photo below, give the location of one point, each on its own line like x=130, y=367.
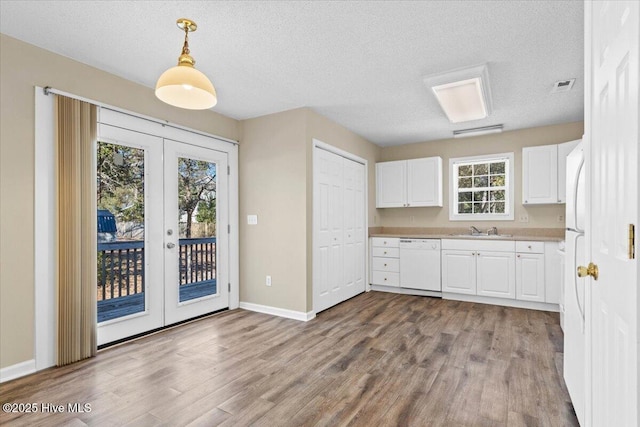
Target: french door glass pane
x=197, y=204
x=121, y=234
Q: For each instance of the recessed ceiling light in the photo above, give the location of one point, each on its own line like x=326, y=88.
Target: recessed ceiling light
x=463, y=94
x=463, y=133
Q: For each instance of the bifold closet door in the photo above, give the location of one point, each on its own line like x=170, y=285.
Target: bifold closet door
x=339, y=232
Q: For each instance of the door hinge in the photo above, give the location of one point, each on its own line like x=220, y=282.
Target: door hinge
x=228, y=228
x=229, y=286
x=632, y=241
x=228, y=170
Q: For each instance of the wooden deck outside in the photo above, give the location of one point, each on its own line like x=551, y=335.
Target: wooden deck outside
x=130, y=304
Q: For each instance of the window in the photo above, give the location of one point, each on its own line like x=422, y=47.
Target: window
x=481, y=188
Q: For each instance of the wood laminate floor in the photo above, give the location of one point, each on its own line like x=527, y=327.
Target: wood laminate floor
x=378, y=359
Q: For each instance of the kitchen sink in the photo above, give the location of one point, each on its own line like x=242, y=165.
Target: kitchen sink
x=482, y=235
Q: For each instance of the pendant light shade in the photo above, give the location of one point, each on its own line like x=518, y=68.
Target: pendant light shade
x=183, y=86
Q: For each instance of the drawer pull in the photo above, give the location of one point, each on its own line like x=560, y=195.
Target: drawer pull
x=385, y=265
x=529, y=246
x=385, y=279
x=518, y=255
x=385, y=252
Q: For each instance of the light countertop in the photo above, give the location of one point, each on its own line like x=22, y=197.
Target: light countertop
x=515, y=234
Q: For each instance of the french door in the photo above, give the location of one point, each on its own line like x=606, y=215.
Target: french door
x=162, y=232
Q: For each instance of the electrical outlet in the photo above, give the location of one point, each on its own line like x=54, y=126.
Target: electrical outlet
x=524, y=218
x=252, y=219
x=268, y=283
x=560, y=218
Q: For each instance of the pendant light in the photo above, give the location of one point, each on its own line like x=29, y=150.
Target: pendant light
x=183, y=86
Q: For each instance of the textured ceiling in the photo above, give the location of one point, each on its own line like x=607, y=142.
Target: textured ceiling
x=361, y=64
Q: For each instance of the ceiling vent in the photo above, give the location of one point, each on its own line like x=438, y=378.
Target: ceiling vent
x=563, y=86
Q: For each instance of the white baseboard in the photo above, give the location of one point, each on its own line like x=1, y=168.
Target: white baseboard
x=406, y=291
x=18, y=370
x=280, y=312
x=531, y=305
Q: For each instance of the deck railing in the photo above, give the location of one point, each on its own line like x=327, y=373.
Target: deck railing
x=121, y=265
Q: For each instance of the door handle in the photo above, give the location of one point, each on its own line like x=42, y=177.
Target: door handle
x=171, y=245
x=590, y=270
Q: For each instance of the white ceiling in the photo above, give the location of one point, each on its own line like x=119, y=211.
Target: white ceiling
x=361, y=64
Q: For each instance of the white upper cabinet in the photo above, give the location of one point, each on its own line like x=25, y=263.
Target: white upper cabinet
x=424, y=182
x=563, y=151
x=540, y=175
x=391, y=184
x=544, y=173
x=409, y=183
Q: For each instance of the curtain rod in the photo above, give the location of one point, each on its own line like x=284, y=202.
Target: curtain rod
x=49, y=90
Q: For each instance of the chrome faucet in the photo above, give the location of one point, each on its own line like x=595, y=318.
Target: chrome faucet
x=492, y=231
x=474, y=230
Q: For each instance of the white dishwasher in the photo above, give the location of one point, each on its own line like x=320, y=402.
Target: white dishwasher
x=420, y=264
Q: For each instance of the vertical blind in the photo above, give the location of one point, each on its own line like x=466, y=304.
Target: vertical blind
x=76, y=133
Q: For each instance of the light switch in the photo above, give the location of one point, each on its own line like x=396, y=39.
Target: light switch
x=252, y=219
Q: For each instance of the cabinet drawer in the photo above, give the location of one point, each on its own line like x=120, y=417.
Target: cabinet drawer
x=386, y=264
x=385, y=252
x=385, y=242
x=530, y=247
x=385, y=278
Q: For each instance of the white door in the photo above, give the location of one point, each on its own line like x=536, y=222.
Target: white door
x=354, y=232
x=195, y=235
x=339, y=250
x=391, y=184
x=611, y=126
x=130, y=280
x=155, y=267
x=496, y=274
x=459, y=271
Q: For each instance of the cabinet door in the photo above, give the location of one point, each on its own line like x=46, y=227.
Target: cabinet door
x=540, y=175
x=496, y=274
x=424, y=182
x=563, y=152
x=530, y=277
x=459, y=271
x=391, y=184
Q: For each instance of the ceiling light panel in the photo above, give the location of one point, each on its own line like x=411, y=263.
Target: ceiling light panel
x=462, y=101
x=463, y=94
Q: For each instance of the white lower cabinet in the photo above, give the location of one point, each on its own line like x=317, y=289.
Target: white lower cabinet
x=459, y=271
x=385, y=261
x=530, y=277
x=485, y=268
x=496, y=274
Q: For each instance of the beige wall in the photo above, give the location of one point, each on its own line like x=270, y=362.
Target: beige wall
x=539, y=216
x=272, y=180
x=23, y=66
x=276, y=183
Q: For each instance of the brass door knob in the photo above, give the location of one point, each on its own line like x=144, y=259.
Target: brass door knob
x=590, y=270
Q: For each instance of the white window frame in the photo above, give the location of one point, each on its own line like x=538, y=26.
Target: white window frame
x=454, y=163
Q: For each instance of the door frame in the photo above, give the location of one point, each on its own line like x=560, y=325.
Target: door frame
x=317, y=144
x=45, y=307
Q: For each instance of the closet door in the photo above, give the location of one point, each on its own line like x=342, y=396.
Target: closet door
x=328, y=242
x=339, y=229
x=354, y=233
